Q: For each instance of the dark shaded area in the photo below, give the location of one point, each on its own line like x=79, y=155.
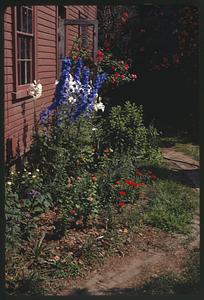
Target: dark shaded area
x=161, y=44
x=179, y=176
x=168, y=99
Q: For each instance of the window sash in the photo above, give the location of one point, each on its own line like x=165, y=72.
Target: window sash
x=24, y=52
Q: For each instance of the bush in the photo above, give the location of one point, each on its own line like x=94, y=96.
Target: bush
x=124, y=131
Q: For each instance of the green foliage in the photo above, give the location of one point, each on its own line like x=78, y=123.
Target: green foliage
x=125, y=132
x=13, y=217
x=83, y=200
x=172, y=207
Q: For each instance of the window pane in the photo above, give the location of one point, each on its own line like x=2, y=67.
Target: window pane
x=22, y=72
x=19, y=72
x=28, y=48
x=25, y=20
x=30, y=18
x=23, y=47
x=19, y=18
x=28, y=72
x=19, y=47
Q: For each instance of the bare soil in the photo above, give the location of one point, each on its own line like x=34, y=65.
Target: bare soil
x=151, y=253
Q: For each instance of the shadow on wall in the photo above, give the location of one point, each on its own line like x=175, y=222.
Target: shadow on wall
x=17, y=156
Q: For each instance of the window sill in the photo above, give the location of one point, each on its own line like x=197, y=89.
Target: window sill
x=23, y=93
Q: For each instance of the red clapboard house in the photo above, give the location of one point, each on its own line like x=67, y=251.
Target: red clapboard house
x=35, y=39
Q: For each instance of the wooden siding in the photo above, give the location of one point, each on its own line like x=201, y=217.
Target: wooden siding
x=20, y=114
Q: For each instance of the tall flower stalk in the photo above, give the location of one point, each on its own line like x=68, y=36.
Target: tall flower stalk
x=74, y=94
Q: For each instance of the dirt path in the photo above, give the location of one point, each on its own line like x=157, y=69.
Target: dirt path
x=151, y=253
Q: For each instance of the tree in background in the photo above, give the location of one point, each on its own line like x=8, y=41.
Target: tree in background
x=153, y=37
x=161, y=44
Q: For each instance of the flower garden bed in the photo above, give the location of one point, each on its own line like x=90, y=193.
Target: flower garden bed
x=88, y=182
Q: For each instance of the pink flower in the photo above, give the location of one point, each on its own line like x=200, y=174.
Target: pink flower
x=122, y=76
x=134, y=77
x=117, y=182
x=117, y=75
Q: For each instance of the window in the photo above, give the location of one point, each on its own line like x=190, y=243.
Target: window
x=24, y=47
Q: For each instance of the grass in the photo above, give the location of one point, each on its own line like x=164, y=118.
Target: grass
x=181, y=144
x=171, y=207
x=188, y=149
x=188, y=282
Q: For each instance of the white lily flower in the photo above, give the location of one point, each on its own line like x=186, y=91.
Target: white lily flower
x=99, y=105
x=35, y=89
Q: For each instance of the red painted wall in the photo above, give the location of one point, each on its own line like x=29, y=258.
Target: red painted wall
x=19, y=115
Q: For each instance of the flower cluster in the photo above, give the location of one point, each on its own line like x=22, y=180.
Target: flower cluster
x=75, y=91
x=35, y=89
x=118, y=70
x=122, y=186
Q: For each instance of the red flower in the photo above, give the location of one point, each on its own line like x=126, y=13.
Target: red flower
x=125, y=16
x=117, y=75
x=122, y=193
x=141, y=184
x=153, y=177
x=113, y=79
x=122, y=76
x=100, y=55
x=121, y=204
x=113, y=68
x=73, y=212
x=129, y=182
x=138, y=173
x=117, y=182
x=126, y=67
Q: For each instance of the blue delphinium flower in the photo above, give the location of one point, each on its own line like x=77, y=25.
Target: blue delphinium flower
x=75, y=88
x=60, y=96
x=77, y=71
x=87, y=101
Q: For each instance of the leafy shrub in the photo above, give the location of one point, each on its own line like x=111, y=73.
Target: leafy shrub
x=125, y=132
